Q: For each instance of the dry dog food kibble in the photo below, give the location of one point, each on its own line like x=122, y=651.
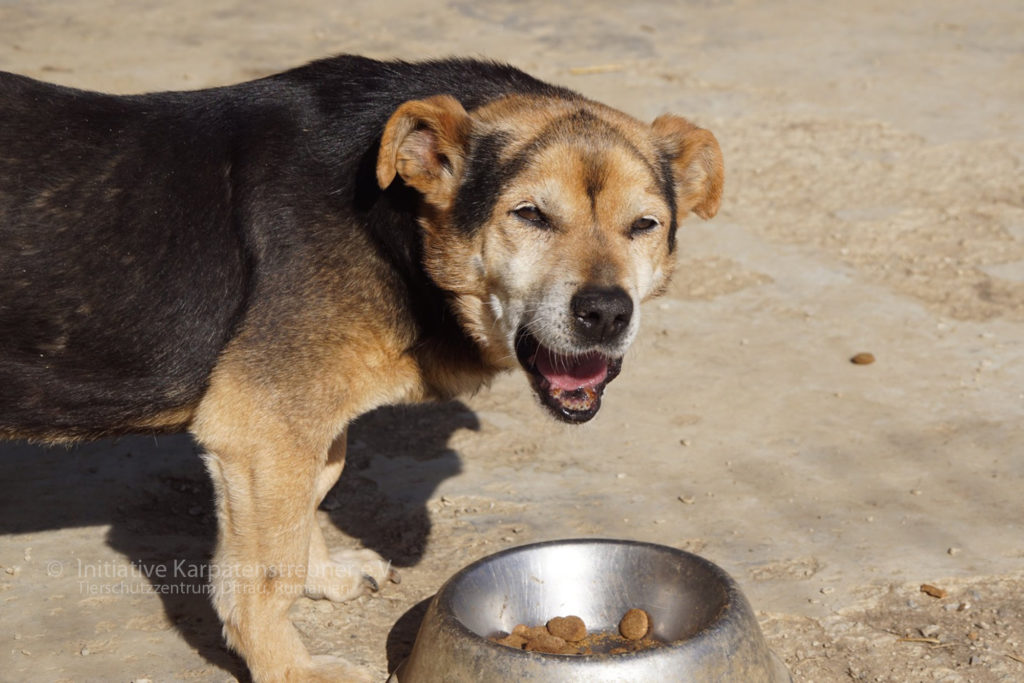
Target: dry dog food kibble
x=540, y=639
x=569, y=628
x=634, y=624
x=933, y=591
x=513, y=640
x=568, y=636
x=546, y=642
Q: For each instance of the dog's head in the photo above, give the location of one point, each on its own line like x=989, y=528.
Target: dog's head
x=549, y=220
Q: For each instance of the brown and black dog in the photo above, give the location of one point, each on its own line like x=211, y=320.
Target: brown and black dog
x=260, y=264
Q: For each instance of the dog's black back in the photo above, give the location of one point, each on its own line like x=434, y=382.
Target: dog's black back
x=137, y=232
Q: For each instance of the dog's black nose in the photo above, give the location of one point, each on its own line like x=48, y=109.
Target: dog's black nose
x=601, y=314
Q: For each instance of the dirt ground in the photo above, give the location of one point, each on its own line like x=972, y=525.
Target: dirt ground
x=874, y=203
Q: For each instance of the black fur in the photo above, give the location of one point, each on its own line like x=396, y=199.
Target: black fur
x=483, y=179
x=668, y=190
x=136, y=232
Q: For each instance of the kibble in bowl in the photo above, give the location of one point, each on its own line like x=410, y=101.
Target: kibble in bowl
x=569, y=636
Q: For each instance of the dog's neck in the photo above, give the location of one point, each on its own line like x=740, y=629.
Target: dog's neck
x=451, y=361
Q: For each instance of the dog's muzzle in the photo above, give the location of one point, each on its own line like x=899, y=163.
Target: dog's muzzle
x=571, y=384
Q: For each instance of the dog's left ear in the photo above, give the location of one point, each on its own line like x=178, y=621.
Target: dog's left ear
x=696, y=164
x=424, y=141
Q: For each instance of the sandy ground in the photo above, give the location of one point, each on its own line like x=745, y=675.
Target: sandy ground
x=874, y=202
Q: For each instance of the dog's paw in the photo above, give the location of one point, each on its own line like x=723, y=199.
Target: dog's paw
x=348, y=574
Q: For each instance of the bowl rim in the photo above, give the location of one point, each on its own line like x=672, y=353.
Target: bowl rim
x=734, y=599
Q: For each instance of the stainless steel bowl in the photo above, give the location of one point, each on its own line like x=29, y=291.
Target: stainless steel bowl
x=695, y=607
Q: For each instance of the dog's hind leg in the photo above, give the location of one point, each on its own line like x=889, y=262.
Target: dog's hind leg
x=345, y=574
x=265, y=474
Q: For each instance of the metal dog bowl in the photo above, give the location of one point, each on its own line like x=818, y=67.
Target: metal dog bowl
x=695, y=607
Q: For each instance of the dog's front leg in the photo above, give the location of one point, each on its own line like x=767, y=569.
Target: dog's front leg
x=265, y=475
x=345, y=574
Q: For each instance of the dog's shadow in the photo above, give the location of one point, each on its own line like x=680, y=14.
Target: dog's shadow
x=158, y=502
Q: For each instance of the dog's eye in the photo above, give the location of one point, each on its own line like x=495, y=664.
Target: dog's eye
x=642, y=225
x=530, y=213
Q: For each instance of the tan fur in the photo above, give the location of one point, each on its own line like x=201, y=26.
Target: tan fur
x=174, y=420
x=698, y=162
x=269, y=441
x=423, y=142
x=167, y=420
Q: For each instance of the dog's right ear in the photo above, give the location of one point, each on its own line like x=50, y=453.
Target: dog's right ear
x=424, y=141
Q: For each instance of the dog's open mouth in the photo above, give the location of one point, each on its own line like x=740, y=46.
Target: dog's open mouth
x=569, y=385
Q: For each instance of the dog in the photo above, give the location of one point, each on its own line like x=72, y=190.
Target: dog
x=260, y=264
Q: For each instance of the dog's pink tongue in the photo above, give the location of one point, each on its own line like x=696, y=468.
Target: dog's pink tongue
x=571, y=372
